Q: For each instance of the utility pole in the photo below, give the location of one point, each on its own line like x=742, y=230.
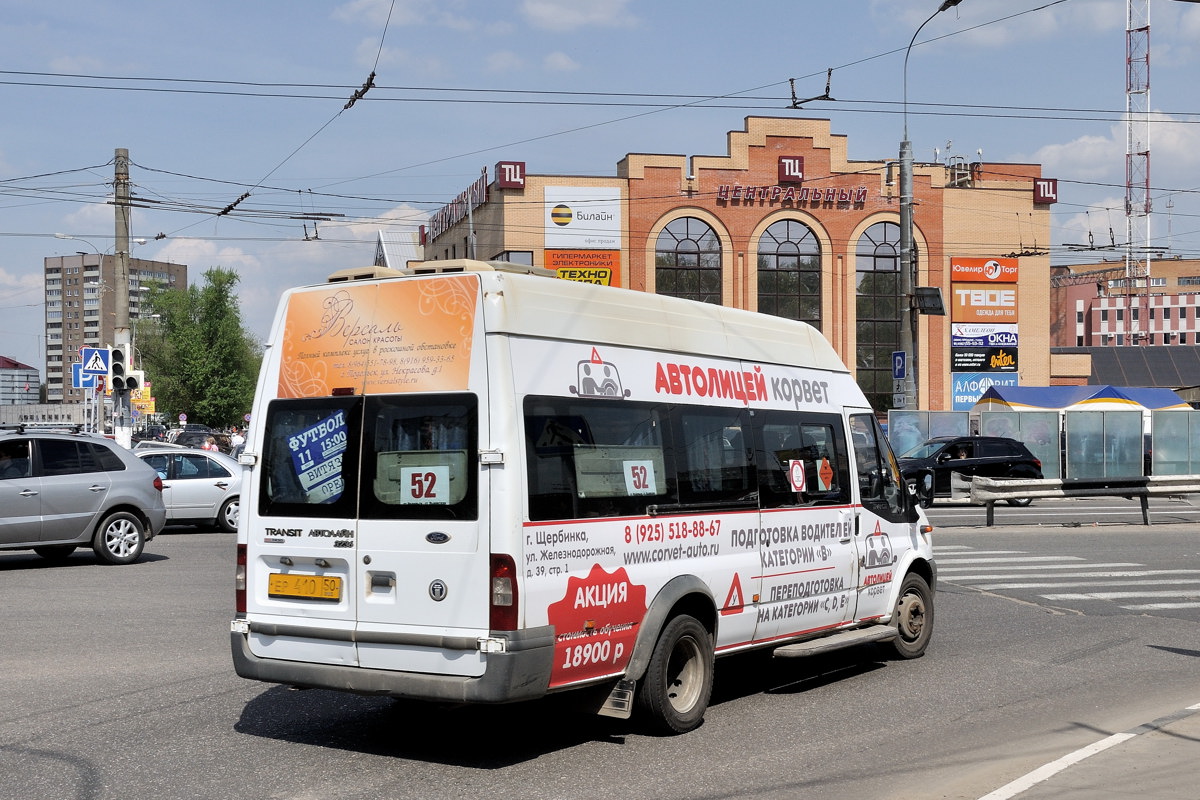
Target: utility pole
x=122, y=408
x=908, y=311
x=909, y=314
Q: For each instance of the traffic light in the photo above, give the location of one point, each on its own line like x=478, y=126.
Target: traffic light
x=118, y=369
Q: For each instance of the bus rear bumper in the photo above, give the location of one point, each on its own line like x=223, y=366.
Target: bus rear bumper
x=521, y=672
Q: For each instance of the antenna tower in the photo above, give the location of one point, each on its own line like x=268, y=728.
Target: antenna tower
x=1137, y=162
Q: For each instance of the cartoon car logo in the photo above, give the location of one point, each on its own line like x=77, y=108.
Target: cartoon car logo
x=598, y=378
x=879, y=551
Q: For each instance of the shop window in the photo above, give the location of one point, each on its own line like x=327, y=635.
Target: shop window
x=687, y=261
x=879, y=310
x=524, y=257
x=789, y=272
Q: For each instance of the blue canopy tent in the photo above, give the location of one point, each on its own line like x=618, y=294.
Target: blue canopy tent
x=1080, y=398
x=1092, y=448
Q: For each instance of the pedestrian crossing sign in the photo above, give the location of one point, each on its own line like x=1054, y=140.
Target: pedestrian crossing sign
x=96, y=360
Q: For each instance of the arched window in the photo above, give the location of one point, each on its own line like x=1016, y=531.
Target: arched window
x=687, y=261
x=789, y=272
x=878, y=310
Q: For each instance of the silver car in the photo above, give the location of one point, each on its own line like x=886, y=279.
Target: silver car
x=61, y=489
x=200, y=487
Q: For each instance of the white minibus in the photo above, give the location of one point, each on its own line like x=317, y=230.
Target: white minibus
x=475, y=482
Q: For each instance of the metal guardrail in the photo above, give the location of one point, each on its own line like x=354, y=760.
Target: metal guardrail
x=989, y=491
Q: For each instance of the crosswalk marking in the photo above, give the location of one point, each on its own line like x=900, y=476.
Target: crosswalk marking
x=1112, y=595
x=1119, y=582
x=1021, y=567
x=999, y=576
x=1039, y=585
x=1021, y=559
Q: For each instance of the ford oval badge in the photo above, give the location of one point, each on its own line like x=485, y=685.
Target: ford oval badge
x=437, y=537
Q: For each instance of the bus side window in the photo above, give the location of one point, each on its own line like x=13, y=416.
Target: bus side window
x=594, y=459
x=880, y=486
x=715, y=464
x=802, y=460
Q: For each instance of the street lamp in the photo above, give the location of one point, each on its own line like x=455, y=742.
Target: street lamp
x=908, y=327
x=79, y=239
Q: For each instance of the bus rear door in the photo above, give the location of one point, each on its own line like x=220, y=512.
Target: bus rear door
x=422, y=550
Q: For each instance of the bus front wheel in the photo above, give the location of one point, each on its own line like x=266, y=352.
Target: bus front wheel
x=913, y=618
x=675, y=690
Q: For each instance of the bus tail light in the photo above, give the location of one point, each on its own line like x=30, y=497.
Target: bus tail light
x=239, y=580
x=503, y=615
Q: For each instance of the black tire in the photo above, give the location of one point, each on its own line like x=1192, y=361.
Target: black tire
x=55, y=552
x=913, y=618
x=1022, y=501
x=227, y=517
x=120, y=539
x=673, y=694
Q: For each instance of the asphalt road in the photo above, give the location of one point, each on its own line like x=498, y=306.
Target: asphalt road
x=1089, y=512
x=117, y=683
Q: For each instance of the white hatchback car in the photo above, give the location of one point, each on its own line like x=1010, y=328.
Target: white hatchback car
x=200, y=487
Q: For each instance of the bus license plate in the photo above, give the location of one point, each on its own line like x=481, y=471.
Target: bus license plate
x=310, y=587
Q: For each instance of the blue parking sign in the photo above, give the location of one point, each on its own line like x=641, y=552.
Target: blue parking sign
x=81, y=379
x=899, y=365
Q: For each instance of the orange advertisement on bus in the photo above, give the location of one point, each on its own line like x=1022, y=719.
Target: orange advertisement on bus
x=392, y=336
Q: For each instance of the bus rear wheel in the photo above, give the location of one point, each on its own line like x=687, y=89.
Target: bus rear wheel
x=675, y=690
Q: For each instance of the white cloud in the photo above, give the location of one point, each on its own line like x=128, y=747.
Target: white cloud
x=17, y=284
x=559, y=62
x=376, y=13
x=1102, y=224
x=1174, y=149
x=504, y=61
x=76, y=64
x=555, y=15
x=368, y=51
x=1087, y=157
x=986, y=23
x=87, y=219
x=201, y=254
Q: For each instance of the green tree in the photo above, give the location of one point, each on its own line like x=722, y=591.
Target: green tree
x=198, y=356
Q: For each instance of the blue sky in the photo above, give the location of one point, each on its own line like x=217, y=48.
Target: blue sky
x=220, y=98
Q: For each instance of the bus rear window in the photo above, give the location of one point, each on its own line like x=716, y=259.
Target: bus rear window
x=420, y=459
x=309, y=457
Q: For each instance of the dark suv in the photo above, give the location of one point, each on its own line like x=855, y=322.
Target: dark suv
x=61, y=489
x=986, y=456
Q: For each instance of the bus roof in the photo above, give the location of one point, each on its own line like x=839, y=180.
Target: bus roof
x=521, y=301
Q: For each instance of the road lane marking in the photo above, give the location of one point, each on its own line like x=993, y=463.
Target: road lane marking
x=1047, y=771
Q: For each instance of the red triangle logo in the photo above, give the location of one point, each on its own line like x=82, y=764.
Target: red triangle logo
x=733, y=601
